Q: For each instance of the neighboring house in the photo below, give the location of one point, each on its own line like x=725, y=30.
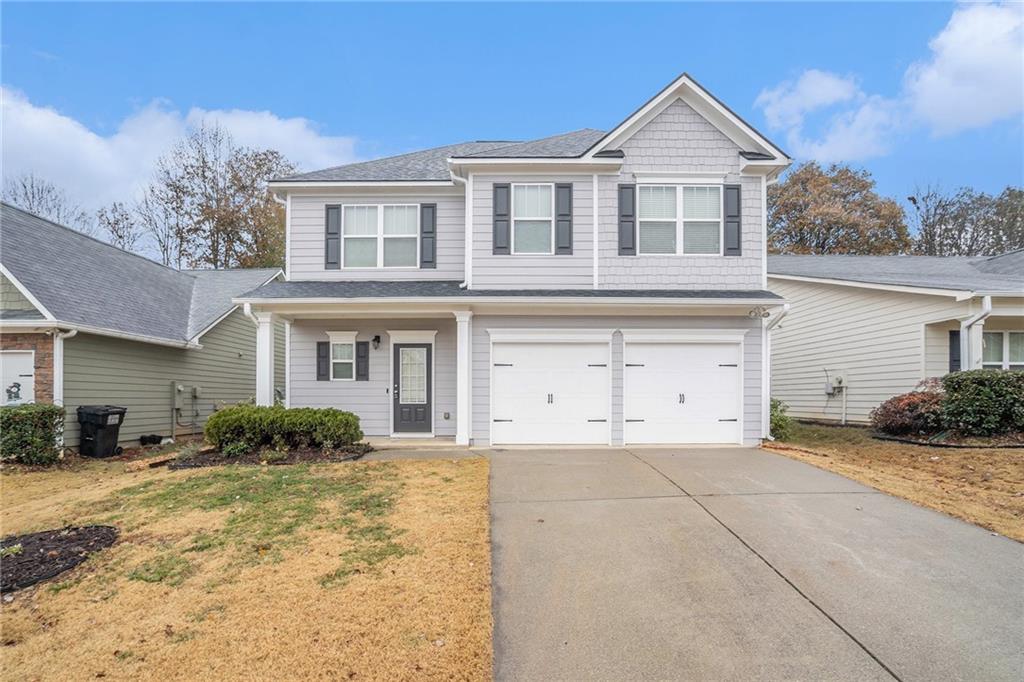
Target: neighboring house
x=591, y=287
x=884, y=323
x=83, y=322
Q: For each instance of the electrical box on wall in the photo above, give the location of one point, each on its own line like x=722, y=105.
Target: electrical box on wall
x=835, y=381
x=178, y=395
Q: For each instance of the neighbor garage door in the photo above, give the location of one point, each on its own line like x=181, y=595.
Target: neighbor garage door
x=545, y=392
x=682, y=392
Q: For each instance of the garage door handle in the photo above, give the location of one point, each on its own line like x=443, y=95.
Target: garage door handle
x=592, y=421
x=551, y=398
x=732, y=365
x=503, y=364
x=503, y=420
x=727, y=420
x=634, y=364
x=597, y=365
x=682, y=398
x=634, y=420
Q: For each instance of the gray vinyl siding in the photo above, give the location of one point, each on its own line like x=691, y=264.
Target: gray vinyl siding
x=523, y=271
x=306, y=242
x=885, y=341
x=482, y=375
x=11, y=298
x=679, y=140
x=371, y=400
x=104, y=370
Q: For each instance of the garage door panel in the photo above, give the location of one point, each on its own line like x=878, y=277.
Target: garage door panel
x=682, y=392
x=555, y=393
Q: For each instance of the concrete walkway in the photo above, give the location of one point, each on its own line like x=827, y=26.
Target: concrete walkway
x=737, y=563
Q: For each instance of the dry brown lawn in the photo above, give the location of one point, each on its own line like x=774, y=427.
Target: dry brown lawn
x=984, y=486
x=358, y=571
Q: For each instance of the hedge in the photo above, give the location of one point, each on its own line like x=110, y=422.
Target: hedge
x=31, y=434
x=780, y=424
x=984, y=402
x=918, y=413
x=242, y=428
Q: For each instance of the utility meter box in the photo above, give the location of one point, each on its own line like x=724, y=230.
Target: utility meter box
x=836, y=381
x=177, y=395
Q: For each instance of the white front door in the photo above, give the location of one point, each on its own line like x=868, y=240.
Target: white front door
x=550, y=393
x=17, y=371
x=682, y=393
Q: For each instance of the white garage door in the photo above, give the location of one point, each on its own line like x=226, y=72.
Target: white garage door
x=682, y=393
x=554, y=393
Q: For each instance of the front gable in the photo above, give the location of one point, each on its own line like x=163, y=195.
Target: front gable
x=679, y=139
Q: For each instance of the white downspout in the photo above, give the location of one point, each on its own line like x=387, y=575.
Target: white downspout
x=766, y=371
x=967, y=348
x=467, y=183
x=58, y=364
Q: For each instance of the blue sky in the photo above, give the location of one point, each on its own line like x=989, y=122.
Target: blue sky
x=93, y=93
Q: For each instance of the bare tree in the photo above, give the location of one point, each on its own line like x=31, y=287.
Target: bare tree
x=119, y=225
x=40, y=196
x=968, y=222
x=161, y=225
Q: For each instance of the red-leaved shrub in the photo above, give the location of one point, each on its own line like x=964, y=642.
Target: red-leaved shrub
x=919, y=413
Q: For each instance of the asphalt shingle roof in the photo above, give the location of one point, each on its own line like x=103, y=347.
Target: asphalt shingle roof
x=81, y=280
x=566, y=145
x=451, y=288
x=1004, y=274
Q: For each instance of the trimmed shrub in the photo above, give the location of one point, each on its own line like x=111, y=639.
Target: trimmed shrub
x=30, y=434
x=780, y=423
x=919, y=413
x=984, y=402
x=242, y=428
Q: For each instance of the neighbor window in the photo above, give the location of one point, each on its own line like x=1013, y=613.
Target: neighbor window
x=532, y=219
x=343, y=355
x=380, y=236
x=680, y=219
x=1002, y=350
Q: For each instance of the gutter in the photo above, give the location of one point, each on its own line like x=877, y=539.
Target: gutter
x=966, y=361
x=535, y=300
x=98, y=331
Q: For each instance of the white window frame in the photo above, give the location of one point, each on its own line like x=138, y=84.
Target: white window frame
x=680, y=220
x=342, y=339
x=514, y=218
x=1005, y=364
x=380, y=237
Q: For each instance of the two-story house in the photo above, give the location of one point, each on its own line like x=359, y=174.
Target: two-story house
x=587, y=288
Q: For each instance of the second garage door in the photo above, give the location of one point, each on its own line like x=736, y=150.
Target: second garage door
x=556, y=393
x=682, y=393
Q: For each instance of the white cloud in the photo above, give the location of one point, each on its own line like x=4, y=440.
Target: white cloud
x=975, y=73
x=973, y=78
x=96, y=169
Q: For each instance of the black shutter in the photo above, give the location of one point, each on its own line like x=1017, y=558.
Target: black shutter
x=323, y=361
x=733, y=222
x=954, y=350
x=428, y=235
x=502, y=219
x=362, y=360
x=627, y=220
x=332, y=238
x=563, y=219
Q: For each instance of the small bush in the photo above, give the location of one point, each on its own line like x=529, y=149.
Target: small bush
x=780, y=423
x=984, y=402
x=918, y=413
x=30, y=434
x=242, y=428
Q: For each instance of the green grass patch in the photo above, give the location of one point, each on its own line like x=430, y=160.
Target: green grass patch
x=828, y=436
x=166, y=568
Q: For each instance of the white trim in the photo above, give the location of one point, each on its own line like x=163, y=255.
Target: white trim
x=513, y=218
x=341, y=339
x=688, y=90
x=264, y=358
x=26, y=293
x=287, y=237
x=680, y=220
x=1006, y=362
x=764, y=230
x=683, y=335
x=959, y=295
x=549, y=335
x=596, y=236
x=519, y=300
x=545, y=174
x=643, y=178
x=420, y=336
x=463, y=377
x=531, y=160
x=721, y=336
x=287, y=363
x=379, y=237
x=412, y=336
x=42, y=325
x=354, y=184
x=58, y=363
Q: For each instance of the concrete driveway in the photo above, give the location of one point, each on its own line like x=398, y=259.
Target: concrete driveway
x=738, y=564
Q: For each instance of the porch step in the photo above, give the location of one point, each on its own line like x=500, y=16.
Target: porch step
x=386, y=443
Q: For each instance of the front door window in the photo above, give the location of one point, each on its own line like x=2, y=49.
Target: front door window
x=413, y=375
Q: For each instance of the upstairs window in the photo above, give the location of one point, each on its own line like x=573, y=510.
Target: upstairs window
x=533, y=210
x=1002, y=350
x=380, y=236
x=680, y=219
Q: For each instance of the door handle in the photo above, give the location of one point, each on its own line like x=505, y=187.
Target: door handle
x=682, y=398
x=551, y=398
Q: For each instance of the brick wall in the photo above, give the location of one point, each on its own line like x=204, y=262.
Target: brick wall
x=42, y=344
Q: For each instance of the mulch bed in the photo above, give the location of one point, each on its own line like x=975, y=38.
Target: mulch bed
x=49, y=553
x=270, y=457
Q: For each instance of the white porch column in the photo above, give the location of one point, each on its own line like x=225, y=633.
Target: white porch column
x=264, y=358
x=463, y=376
x=974, y=345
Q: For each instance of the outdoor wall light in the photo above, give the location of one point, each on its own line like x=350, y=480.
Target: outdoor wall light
x=376, y=342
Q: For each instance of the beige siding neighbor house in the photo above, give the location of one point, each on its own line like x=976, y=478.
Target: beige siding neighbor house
x=591, y=287
x=861, y=329
x=85, y=323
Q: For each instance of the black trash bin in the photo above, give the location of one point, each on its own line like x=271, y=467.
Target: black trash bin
x=100, y=426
